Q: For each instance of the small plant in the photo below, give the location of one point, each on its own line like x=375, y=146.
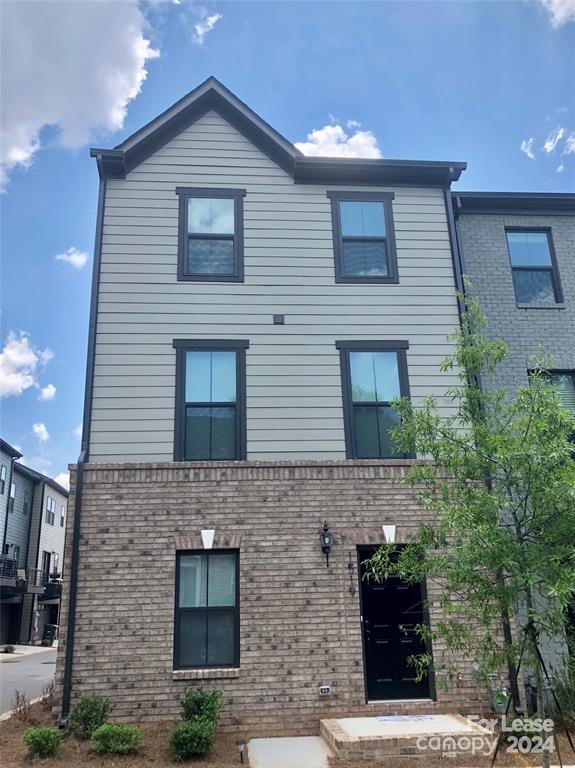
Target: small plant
x=88, y=714
x=48, y=693
x=8, y=649
x=21, y=706
x=115, y=739
x=42, y=742
x=198, y=703
x=192, y=739
x=564, y=688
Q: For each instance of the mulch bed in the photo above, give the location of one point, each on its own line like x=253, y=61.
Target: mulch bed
x=153, y=752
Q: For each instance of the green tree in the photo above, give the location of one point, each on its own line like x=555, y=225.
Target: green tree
x=499, y=480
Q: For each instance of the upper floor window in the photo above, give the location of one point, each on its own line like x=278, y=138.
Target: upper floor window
x=62, y=515
x=211, y=234
x=207, y=609
x=564, y=382
x=210, y=400
x=2, y=479
x=50, y=513
x=535, y=275
x=363, y=237
x=11, y=497
x=26, y=502
x=373, y=374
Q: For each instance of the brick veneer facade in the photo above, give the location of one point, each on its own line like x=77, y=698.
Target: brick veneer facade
x=300, y=622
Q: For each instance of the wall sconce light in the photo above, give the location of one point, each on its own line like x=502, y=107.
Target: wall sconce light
x=326, y=540
x=241, y=745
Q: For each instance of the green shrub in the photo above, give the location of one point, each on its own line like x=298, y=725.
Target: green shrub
x=191, y=739
x=88, y=714
x=199, y=704
x=115, y=738
x=42, y=742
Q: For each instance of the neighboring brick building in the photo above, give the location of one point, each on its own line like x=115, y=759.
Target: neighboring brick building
x=518, y=250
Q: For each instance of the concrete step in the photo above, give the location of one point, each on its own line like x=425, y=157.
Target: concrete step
x=378, y=738
x=289, y=752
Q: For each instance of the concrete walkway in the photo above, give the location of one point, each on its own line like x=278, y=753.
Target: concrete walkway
x=293, y=752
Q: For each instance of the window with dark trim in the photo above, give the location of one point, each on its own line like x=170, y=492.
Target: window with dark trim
x=363, y=237
x=564, y=382
x=373, y=374
x=533, y=265
x=210, y=417
x=50, y=513
x=62, y=515
x=46, y=558
x=2, y=479
x=211, y=234
x=26, y=502
x=11, y=497
x=207, y=615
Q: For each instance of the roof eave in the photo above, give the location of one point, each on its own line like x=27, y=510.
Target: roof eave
x=520, y=203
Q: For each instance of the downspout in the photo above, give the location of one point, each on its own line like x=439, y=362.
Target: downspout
x=40, y=521
x=83, y=457
x=459, y=272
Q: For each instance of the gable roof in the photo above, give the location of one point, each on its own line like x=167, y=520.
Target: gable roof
x=38, y=477
x=212, y=95
x=9, y=449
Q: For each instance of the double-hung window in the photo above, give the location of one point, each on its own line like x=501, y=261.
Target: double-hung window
x=2, y=479
x=564, y=382
x=207, y=609
x=210, y=400
x=535, y=274
x=62, y=515
x=26, y=503
x=50, y=513
x=211, y=234
x=11, y=497
x=373, y=375
x=363, y=237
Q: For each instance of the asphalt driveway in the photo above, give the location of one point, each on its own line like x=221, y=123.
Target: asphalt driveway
x=27, y=672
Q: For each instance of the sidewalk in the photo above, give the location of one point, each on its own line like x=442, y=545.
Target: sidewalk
x=24, y=650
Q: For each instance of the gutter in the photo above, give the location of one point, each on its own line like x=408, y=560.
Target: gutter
x=82, y=460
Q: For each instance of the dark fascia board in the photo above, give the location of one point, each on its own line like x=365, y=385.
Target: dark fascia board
x=342, y=170
x=212, y=95
x=10, y=450
x=527, y=203
x=38, y=477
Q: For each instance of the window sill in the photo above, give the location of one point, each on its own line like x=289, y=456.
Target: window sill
x=206, y=674
x=541, y=306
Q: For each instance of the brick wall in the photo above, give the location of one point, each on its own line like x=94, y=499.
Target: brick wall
x=486, y=262
x=300, y=624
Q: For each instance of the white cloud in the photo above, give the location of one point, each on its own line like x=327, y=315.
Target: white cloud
x=560, y=168
x=569, y=147
x=74, y=257
x=47, y=393
x=205, y=25
x=39, y=429
x=553, y=139
x=526, y=147
x=39, y=463
x=78, y=431
x=333, y=141
x=74, y=66
x=561, y=11
x=19, y=362
x=63, y=479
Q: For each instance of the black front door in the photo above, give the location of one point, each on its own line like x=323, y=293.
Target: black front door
x=390, y=612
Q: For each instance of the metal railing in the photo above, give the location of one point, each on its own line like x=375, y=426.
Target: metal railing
x=8, y=567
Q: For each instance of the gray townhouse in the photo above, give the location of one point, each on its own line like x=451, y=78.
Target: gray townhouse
x=518, y=250
x=34, y=512
x=254, y=311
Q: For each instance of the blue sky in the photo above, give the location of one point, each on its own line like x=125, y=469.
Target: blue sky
x=430, y=80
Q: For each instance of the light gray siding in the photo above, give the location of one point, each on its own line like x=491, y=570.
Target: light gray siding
x=52, y=536
x=294, y=400
x=5, y=462
x=17, y=530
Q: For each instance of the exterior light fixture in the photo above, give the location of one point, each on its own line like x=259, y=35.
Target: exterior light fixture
x=241, y=745
x=326, y=540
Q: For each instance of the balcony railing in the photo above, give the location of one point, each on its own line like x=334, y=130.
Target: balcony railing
x=8, y=567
